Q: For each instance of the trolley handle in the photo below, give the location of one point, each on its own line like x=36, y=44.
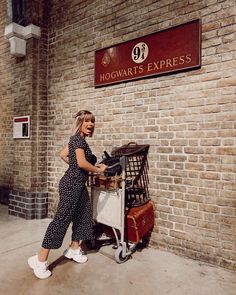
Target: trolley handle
x=123, y=162
x=113, y=170
x=112, y=166
x=117, y=168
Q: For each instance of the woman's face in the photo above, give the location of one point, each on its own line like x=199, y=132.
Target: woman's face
x=87, y=127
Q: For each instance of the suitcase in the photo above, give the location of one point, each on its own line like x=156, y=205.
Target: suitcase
x=139, y=222
x=107, y=182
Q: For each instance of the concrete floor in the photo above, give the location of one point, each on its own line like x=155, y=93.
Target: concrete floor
x=149, y=271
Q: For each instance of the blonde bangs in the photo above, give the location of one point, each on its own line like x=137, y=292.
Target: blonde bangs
x=89, y=117
x=80, y=117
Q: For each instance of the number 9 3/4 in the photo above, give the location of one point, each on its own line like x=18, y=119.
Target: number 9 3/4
x=140, y=52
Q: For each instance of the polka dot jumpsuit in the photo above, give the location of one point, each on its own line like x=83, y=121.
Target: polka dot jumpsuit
x=74, y=204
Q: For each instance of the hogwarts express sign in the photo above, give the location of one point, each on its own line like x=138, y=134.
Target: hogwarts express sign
x=174, y=49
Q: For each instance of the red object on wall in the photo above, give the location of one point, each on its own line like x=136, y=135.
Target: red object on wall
x=21, y=119
x=174, y=49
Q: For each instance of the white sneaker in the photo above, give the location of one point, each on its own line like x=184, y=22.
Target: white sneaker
x=40, y=268
x=76, y=255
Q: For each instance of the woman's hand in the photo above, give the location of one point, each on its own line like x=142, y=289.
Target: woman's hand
x=101, y=168
x=84, y=164
x=64, y=154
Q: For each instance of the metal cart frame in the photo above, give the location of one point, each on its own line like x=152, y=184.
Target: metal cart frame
x=133, y=191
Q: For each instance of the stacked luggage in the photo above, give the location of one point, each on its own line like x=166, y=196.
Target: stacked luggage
x=120, y=198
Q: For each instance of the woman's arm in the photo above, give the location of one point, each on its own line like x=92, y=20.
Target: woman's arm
x=64, y=154
x=84, y=164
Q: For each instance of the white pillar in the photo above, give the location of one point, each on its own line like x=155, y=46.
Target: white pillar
x=17, y=36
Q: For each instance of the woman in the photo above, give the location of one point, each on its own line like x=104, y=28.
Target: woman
x=74, y=204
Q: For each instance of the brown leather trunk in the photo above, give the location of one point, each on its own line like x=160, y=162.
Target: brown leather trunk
x=140, y=221
x=107, y=182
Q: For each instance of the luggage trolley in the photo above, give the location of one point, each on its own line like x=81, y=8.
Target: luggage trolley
x=122, y=202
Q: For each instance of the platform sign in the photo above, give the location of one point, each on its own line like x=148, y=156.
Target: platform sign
x=21, y=127
x=171, y=50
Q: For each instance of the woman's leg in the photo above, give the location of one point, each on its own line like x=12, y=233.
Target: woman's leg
x=39, y=264
x=75, y=245
x=57, y=228
x=43, y=254
x=82, y=228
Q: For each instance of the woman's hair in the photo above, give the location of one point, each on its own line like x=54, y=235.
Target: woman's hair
x=80, y=117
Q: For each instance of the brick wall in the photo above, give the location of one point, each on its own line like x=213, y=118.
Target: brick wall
x=187, y=118
x=23, y=166
x=6, y=112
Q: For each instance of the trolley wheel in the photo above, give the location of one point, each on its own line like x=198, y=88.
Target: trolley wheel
x=118, y=255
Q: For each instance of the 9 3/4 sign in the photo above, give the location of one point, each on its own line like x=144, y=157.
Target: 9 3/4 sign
x=170, y=50
x=140, y=52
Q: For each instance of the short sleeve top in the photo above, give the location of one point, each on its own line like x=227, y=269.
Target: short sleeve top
x=78, y=142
